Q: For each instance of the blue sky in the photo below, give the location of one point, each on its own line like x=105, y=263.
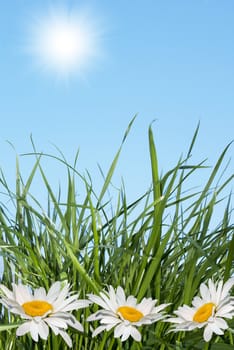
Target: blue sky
x=168, y=61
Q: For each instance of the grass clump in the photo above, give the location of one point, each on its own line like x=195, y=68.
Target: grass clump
x=163, y=245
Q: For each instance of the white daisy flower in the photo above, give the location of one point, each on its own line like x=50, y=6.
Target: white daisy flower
x=42, y=310
x=124, y=314
x=208, y=310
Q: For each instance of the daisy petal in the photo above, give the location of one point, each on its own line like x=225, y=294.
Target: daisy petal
x=207, y=333
x=123, y=313
x=227, y=286
x=135, y=334
x=40, y=308
x=98, y=330
x=23, y=329
x=205, y=293
x=34, y=330
x=66, y=338
x=43, y=330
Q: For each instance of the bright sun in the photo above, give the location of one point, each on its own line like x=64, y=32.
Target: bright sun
x=64, y=43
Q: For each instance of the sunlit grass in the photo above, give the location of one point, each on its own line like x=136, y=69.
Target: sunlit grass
x=163, y=245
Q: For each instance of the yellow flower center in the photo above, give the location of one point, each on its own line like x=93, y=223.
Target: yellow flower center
x=203, y=313
x=130, y=313
x=37, y=307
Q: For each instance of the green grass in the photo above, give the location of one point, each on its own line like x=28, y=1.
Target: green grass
x=162, y=245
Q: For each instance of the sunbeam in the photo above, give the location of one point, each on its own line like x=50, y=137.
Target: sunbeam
x=64, y=43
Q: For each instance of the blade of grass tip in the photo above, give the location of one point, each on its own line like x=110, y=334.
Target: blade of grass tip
x=158, y=211
x=108, y=177
x=50, y=192
x=156, y=190
x=155, y=235
x=230, y=178
x=207, y=186
x=230, y=256
x=55, y=203
x=129, y=128
x=193, y=140
x=207, y=217
x=63, y=160
x=19, y=208
x=30, y=178
x=216, y=168
x=113, y=164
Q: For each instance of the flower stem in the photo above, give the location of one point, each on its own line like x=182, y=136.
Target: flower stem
x=206, y=346
x=136, y=346
x=231, y=338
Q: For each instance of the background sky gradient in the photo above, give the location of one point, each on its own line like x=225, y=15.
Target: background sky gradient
x=168, y=61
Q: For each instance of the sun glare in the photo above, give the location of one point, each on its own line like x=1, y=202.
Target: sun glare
x=64, y=43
